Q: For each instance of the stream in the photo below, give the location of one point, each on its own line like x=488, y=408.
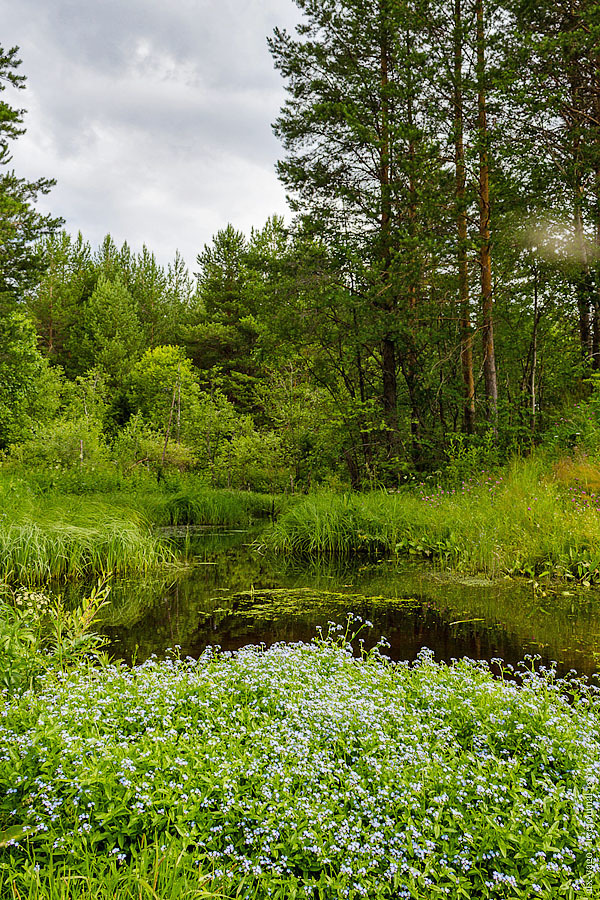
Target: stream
x=233, y=593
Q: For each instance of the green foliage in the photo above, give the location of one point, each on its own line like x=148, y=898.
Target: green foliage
x=221, y=275
x=302, y=771
x=28, y=389
x=38, y=634
x=517, y=521
x=224, y=335
x=62, y=445
x=21, y=262
x=111, y=334
x=138, y=445
x=252, y=460
x=58, y=303
x=163, y=388
x=468, y=457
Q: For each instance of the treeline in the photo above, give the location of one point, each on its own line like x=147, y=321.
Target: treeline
x=446, y=153
x=243, y=374
x=115, y=360
x=437, y=293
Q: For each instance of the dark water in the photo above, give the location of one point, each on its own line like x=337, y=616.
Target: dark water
x=235, y=594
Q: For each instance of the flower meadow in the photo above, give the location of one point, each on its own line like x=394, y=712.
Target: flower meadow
x=302, y=771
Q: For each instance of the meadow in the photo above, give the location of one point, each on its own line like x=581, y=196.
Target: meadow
x=301, y=771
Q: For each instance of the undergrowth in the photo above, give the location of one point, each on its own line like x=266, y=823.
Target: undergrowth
x=299, y=772
x=523, y=520
x=47, y=534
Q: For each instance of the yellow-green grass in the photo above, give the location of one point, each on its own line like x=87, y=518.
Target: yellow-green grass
x=68, y=537
x=51, y=534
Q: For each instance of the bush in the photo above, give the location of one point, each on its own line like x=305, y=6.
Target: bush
x=64, y=444
x=38, y=634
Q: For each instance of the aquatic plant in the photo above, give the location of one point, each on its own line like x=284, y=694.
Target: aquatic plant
x=302, y=771
x=62, y=536
x=197, y=505
x=518, y=521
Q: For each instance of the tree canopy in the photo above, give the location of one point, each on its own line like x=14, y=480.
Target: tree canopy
x=436, y=291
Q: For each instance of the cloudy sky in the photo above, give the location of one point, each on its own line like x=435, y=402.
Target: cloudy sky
x=154, y=117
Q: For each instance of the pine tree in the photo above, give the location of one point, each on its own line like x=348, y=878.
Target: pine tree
x=361, y=165
x=21, y=226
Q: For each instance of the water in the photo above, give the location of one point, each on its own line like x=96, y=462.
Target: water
x=235, y=594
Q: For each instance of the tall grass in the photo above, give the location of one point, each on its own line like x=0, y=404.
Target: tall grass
x=67, y=538
x=158, y=871
x=520, y=521
x=47, y=533
x=197, y=505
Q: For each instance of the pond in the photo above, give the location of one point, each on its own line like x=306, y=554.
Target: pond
x=233, y=593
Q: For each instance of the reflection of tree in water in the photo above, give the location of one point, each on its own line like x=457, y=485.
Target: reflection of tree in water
x=210, y=603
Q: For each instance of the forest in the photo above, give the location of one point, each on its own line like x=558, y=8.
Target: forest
x=435, y=294
x=300, y=545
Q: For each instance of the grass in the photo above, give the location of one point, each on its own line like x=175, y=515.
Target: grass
x=49, y=534
x=69, y=538
x=521, y=521
x=298, y=772
x=197, y=505
x=158, y=871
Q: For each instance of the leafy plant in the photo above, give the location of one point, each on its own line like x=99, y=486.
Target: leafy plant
x=38, y=633
x=301, y=771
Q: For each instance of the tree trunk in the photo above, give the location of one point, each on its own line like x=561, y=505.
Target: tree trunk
x=583, y=278
x=485, y=257
x=534, y=352
x=596, y=298
x=390, y=391
x=388, y=346
x=411, y=367
x=466, y=339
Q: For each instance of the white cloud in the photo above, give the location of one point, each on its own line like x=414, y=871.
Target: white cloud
x=155, y=120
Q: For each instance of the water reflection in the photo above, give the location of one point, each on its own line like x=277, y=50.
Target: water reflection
x=234, y=594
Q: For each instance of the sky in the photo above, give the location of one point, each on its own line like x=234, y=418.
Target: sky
x=154, y=117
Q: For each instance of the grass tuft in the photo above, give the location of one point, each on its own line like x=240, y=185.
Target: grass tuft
x=60, y=537
x=202, y=506
x=520, y=521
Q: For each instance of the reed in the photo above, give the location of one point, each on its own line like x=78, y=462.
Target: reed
x=71, y=538
x=522, y=520
x=196, y=505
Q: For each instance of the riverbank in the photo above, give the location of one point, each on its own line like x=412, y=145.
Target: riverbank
x=522, y=520
x=48, y=532
x=300, y=771
x=531, y=518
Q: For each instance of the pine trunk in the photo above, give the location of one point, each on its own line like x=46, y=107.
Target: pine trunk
x=466, y=339
x=388, y=346
x=485, y=257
